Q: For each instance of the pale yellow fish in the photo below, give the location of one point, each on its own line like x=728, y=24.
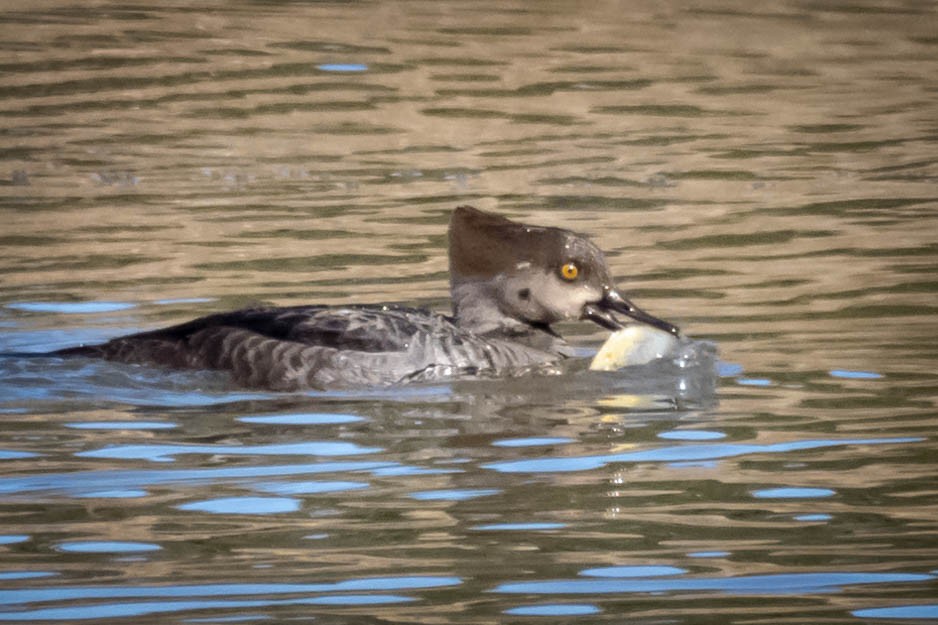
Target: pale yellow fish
x=633, y=345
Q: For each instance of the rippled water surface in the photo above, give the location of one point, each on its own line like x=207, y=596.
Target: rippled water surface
x=763, y=174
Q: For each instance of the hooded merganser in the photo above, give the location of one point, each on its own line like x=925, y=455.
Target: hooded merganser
x=509, y=282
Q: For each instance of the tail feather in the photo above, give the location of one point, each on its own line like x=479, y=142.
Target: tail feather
x=79, y=350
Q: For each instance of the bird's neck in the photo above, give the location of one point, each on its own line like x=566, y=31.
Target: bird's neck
x=475, y=308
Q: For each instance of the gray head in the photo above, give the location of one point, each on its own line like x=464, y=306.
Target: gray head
x=506, y=273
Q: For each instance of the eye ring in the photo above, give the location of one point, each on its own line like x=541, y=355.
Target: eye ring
x=569, y=271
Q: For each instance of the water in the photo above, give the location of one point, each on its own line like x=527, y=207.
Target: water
x=763, y=175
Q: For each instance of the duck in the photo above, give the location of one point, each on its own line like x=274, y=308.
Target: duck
x=510, y=283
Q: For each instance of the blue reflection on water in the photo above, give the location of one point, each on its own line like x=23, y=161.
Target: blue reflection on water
x=342, y=67
x=927, y=611
x=728, y=369
x=633, y=571
x=793, y=493
x=122, y=425
x=244, y=505
x=89, y=481
x=691, y=435
x=114, y=494
x=494, y=527
x=855, y=375
x=790, y=583
x=453, y=494
x=26, y=574
x=7, y=454
x=365, y=584
x=105, y=546
x=303, y=418
x=70, y=308
x=165, y=453
x=813, y=517
x=12, y=539
x=555, y=609
x=685, y=453
x=142, y=608
x=708, y=554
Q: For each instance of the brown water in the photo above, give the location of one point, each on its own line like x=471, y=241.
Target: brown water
x=763, y=174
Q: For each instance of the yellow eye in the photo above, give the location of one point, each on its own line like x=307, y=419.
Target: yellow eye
x=569, y=272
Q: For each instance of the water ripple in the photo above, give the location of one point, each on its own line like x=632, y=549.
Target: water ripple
x=98, y=546
x=70, y=308
x=144, y=608
x=555, y=609
x=786, y=584
x=365, y=584
x=166, y=453
x=244, y=505
x=305, y=418
x=926, y=611
x=80, y=482
x=680, y=453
